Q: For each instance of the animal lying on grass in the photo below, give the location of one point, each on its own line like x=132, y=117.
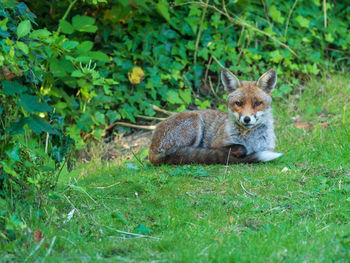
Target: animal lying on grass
x=243, y=135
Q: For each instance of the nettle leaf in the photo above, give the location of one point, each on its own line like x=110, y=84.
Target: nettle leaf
x=23, y=28
x=66, y=27
x=84, y=24
x=31, y=104
x=38, y=125
x=12, y=88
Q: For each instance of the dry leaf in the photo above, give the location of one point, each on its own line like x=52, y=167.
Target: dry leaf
x=217, y=239
x=231, y=219
x=302, y=125
x=38, y=236
x=325, y=125
x=135, y=77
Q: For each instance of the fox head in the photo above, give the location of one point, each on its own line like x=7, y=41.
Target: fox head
x=249, y=101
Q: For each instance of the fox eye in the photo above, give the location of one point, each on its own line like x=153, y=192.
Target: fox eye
x=238, y=103
x=257, y=103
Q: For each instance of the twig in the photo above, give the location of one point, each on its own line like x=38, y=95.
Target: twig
x=35, y=249
x=47, y=141
x=81, y=189
x=266, y=10
x=212, y=89
x=217, y=61
x=66, y=13
x=325, y=13
x=145, y=127
x=228, y=158
x=105, y=187
x=149, y=117
x=131, y=234
x=199, y=33
x=207, y=69
x=289, y=16
x=240, y=22
x=51, y=246
x=156, y=108
x=246, y=190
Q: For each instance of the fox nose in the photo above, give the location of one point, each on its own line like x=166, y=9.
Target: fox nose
x=246, y=119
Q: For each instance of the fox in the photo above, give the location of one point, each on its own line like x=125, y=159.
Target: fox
x=243, y=134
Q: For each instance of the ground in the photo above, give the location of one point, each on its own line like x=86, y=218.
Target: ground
x=294, y=209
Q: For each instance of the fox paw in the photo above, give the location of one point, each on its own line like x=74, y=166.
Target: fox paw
x=238, y=150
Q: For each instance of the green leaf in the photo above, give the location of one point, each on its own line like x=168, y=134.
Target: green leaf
x=31, y=104
x=303, y=22
x=163, y=9
x=12, y=88
x=3, y=24
x=113, y=116
x=38, y=125
x=13, y=153
x=143, y=230
x=70, y=45
x=98, y=55
x=66, y=27
x=23, y=28
x=1, y=110
x=23, y=47
x=173, y=97
x=84, y=47
x=40, y=33
x=119, y=217
x=77, y=74
x=84, y=24
x=100, y=118
x=186, y=95
x=275, y=14
x=17, y=127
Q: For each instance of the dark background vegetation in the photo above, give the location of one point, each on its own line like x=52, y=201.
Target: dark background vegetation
x=69, y=69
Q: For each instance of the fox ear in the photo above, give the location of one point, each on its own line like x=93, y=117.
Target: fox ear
x=229, y=80
x=268, y=81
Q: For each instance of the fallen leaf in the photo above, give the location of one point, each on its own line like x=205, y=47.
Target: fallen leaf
x=217, y=239
x=231, y=219
x=135, y=77
x=302, y=125
x=38, y=236
x=300, y=164
x=325, y=125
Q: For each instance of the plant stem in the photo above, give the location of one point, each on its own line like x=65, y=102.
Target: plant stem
x=289, y=15
x=241, y=22
x=66, y=13
x=200, y=32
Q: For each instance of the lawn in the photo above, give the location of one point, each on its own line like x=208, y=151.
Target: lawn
x=294, y=209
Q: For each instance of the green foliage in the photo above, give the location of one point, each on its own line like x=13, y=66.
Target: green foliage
x=68, y=69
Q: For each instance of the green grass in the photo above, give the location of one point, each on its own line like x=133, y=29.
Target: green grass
x=295, y=209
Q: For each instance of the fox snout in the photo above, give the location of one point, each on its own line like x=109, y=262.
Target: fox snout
x=248, y=120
